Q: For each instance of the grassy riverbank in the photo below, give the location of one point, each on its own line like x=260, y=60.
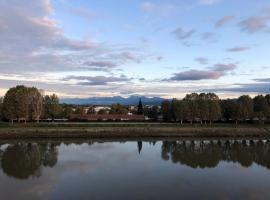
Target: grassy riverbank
x=128, y=130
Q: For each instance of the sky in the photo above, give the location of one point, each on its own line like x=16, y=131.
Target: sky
x=163, y=48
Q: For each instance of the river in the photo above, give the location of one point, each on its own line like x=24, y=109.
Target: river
x=175, y=169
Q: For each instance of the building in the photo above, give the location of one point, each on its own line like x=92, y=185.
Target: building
x=106, y=117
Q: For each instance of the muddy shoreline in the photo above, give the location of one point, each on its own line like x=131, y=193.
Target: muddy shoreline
x=133, y=132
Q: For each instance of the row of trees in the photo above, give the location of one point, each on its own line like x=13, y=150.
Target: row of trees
x=205, y=107
x=208, y=108
x=28, y=104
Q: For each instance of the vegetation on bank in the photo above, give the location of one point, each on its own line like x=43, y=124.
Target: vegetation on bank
x=29, y=104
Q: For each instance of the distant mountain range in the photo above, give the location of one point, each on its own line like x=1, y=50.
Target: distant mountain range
x=132, y=100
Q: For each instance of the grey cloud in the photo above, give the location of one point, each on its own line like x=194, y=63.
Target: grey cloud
x=247, y=88
x=216, y=72
x=224, y=67
x=263, y=80
x=202, y=60
x=101, y=64
x=224, y=20
x=31, y=41
x=194, y=75
x=255, y=24
x=97, y=80
x=238, y=49
x=209, y=37
x=182, y=34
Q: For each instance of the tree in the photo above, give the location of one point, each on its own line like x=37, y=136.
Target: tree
x=268, y=99
x=214, y=108
x=118, y=109
x=192, y=104
x=261, y=108
x=79, y=110
x=35, y=101
x=140, y=108
x=15, y=104
x=91, y=110
x=152, y=112
x=1, y=109
x=203, y=107
x=166, y=110
x=244, y=107
x=179, y=110
x=67, y=111
x=102, y=112
x=229, y=109
x=52, y=106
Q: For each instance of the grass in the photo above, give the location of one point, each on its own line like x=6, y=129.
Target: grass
x=123, y=124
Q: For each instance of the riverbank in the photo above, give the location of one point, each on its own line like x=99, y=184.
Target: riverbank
x=130, y=131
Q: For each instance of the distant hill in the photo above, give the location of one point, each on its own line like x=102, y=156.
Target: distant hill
x=132, y=100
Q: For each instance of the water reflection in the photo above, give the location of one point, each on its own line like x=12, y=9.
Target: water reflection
x=25, y=160
x=201, y=154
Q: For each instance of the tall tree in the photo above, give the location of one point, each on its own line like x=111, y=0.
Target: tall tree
x=192, y=103
x=140, y=108
x=67, y=111
x=214, y=108
x=1, y=109
x=261, y=108
x=118, y=109
x=245, y=107
x=166, y=110
x=179, y=110
x=91, y=110
x=15, y=104
x=35, y=102
x=52, y=106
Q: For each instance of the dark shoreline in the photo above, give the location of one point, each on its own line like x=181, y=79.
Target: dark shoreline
x=133, y=132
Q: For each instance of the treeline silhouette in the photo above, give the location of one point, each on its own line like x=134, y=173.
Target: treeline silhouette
x=29, y=104
x=208, y=108
x=199, y=154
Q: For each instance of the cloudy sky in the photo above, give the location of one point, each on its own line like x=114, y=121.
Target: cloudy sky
x=167, y=48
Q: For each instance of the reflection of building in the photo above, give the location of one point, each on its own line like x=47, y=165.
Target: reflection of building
x=107, y=117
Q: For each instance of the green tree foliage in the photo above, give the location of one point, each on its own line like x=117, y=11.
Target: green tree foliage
x=214, y=108
x=261, y=107
x=52, y=106
x=244, y=108
x=205, y=107
x=80, y=110
x=118, y=109
x=22, y=102
x=140, y=108
x=1, y=109
x=67, y=110
x=166, y=110
x=193, y=107
x=91, y=110
x=152, y=112
x=179, y=110
x=102, y=112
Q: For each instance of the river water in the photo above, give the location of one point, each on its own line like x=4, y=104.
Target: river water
x=176, y=169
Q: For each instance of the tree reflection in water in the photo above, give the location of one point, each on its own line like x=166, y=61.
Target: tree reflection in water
x=24, y=160
x=201, y=154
